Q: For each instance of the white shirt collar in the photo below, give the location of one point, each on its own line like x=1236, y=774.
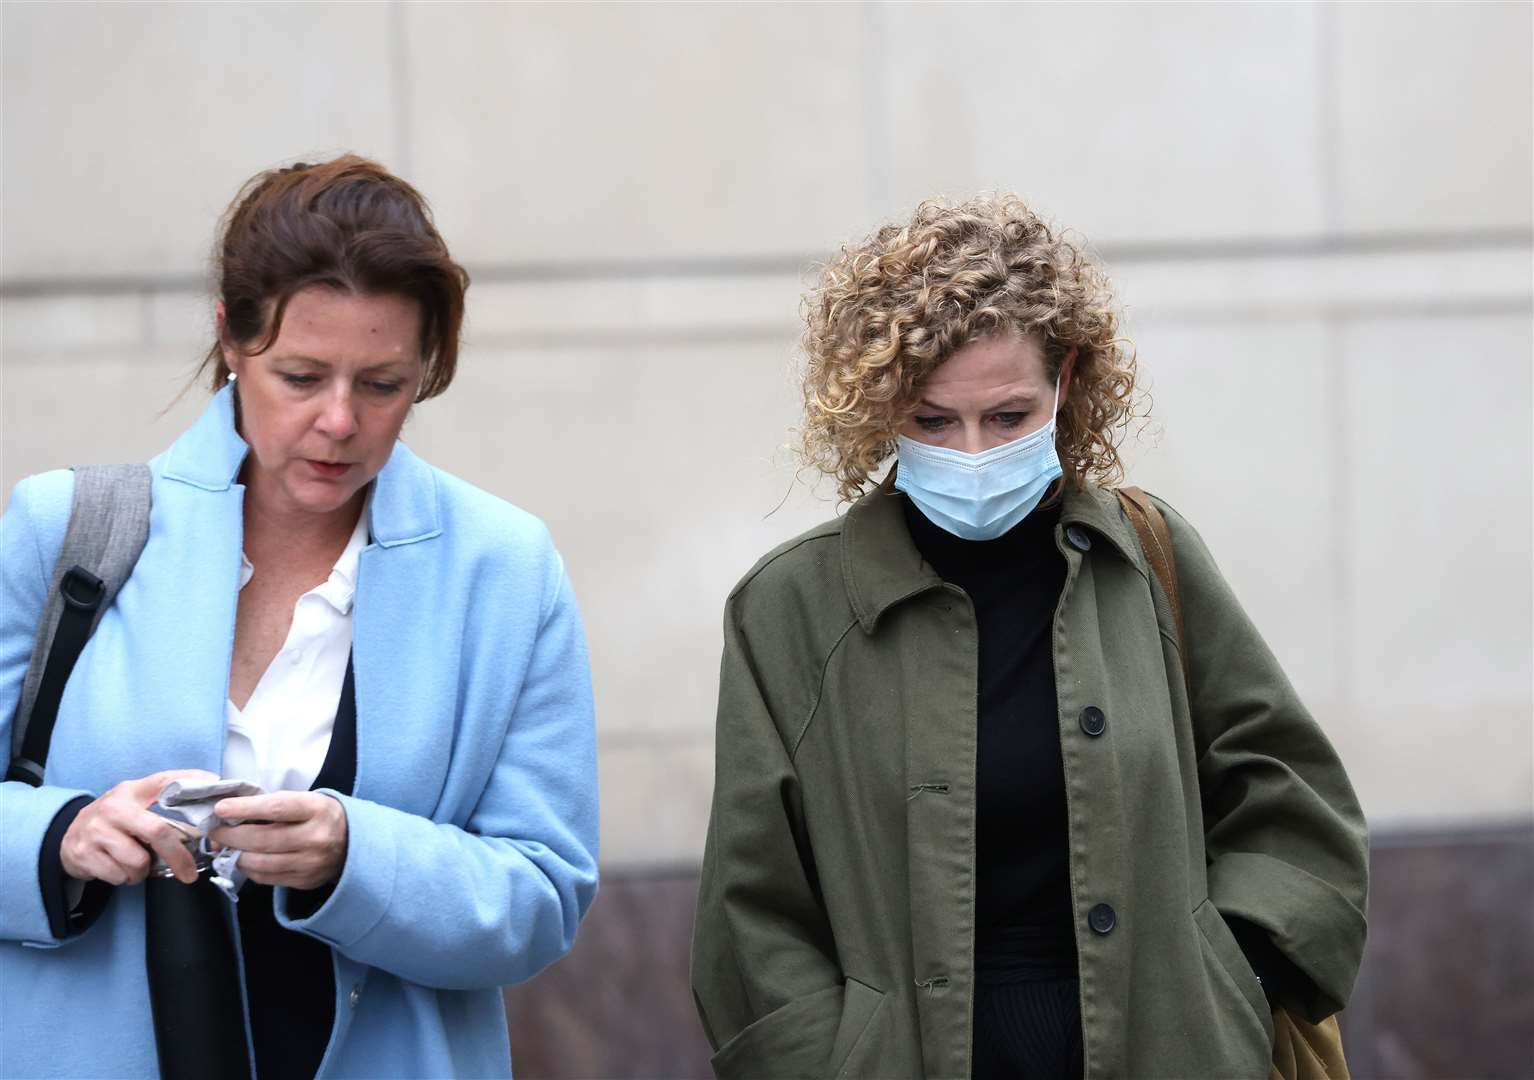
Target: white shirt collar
x=339, y=589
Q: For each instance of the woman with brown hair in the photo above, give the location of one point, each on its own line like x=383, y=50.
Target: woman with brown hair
x=391, y=658
x=993, y=799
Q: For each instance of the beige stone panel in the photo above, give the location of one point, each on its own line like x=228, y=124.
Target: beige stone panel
x=1425, y=766
x=61, y=409
x=655, y=799
x=659, y=470
x=1129, y=122
x=1434, y=115
x=575, y=133
x=128, y=127
x=182, y=321
x=1437, y=527
x=1280, y=286
x=70, y=322
x=1240, y=440
x=622, y=308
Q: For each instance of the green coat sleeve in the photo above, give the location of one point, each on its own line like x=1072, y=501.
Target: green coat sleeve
x=1283, y=832
x=764, y=977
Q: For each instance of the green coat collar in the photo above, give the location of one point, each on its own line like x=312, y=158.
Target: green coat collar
x=882, y=566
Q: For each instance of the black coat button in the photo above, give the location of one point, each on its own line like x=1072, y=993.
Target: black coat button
x=1093, y=722
x=1101, y=918
x=1078, y=538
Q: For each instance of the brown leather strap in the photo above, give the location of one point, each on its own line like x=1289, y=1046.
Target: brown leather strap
x=1156, y=542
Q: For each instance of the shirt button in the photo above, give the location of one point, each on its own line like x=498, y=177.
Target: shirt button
x=1101, y=918
x=356, y=994
x=1078, y=538
x=1093, y=722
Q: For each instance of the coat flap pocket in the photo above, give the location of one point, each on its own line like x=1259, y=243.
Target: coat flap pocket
x=793, y=1040
x=859, y=1003
x=1222, y=942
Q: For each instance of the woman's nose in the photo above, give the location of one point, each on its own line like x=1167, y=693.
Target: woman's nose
x=339, y=418
x=972, y=440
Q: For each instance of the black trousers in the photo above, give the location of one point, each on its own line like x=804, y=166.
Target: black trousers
x=1027, y=1030
x=1027, y=1004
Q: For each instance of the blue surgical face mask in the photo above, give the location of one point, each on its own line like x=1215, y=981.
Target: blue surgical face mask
x=980, y=496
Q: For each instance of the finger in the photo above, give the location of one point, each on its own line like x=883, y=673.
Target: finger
x=264, y=838
x=165, y=840
x=282, y=863
x=269, y=868
x=275, y=806
x=97, y=864
x=130, y=859
x=104, y=868
x=148, y=789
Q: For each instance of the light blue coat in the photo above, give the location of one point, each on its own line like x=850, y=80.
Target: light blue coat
x=473, y=827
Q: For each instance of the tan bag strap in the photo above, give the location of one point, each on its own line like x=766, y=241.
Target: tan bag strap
x=1156, y=542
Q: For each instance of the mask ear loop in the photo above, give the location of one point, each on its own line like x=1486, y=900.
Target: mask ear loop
x=1067, y=365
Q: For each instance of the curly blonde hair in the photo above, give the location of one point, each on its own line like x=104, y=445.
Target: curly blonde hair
x=889, y=310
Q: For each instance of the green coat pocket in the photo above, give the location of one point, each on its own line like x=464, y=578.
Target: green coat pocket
x=860, y=1003
x=793, y=1040
x=1212, y=925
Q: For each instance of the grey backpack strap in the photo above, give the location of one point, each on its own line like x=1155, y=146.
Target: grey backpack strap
x=108, y=525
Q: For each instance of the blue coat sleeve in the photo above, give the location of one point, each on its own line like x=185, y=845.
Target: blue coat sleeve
x=31, y=533
x=497, y=900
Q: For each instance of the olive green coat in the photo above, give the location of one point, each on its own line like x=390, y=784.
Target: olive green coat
x=835, y=926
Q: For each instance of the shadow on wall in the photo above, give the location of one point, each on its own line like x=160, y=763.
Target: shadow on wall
x=1447, y=987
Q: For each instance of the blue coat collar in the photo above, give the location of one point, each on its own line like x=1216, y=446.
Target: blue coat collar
x=404, y=504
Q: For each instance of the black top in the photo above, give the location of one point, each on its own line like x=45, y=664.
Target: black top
x=1023, y=897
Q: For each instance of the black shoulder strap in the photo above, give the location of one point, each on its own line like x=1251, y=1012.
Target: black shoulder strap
x=108, y=526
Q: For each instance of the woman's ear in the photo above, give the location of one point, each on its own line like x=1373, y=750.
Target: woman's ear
x=233, y=358
x=1067, y=368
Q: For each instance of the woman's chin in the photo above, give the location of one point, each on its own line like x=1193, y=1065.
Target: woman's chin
x=321, y=497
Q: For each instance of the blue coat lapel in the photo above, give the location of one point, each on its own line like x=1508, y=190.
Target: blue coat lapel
x=402, y=752
x=180, y=600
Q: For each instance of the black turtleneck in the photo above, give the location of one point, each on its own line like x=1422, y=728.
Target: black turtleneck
x=1023, y=900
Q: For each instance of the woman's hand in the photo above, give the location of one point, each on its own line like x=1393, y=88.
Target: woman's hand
x=301, y=845
x=115, y=838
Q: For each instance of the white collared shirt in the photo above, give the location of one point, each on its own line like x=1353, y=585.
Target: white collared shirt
x=279, y=740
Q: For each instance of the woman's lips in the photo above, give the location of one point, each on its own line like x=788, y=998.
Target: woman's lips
x=331, y=470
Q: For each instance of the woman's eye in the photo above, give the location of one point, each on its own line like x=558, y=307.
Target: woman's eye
x=385, y=387
x=1009, y=419
x=299, y=380
x=932, y=423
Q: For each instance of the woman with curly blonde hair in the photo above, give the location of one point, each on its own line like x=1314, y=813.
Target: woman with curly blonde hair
x=1007, y=783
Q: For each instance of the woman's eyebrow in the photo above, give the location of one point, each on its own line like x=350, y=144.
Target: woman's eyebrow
x=1012, y=401
x=392, y=364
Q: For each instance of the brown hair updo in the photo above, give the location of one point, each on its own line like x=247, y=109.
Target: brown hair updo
x=348, y=224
